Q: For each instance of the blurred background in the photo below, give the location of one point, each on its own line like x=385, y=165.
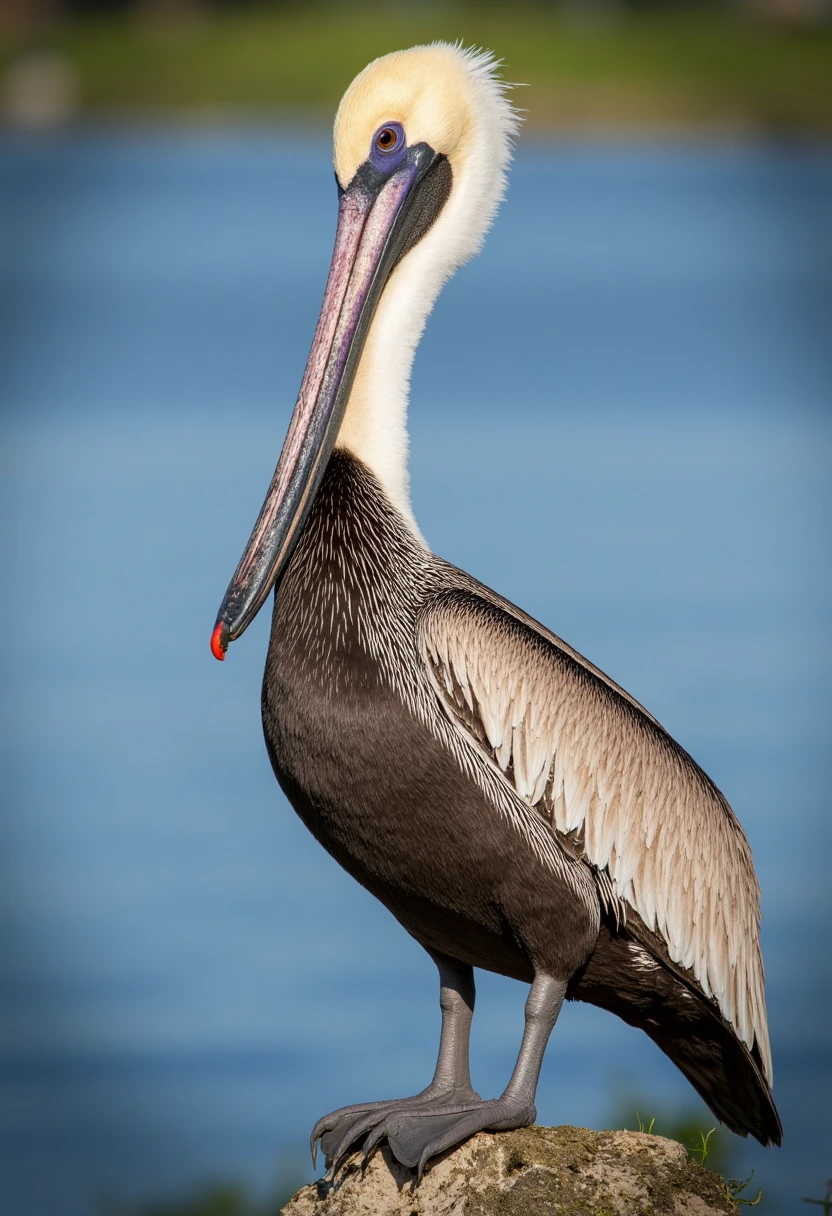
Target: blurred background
x=640, y=361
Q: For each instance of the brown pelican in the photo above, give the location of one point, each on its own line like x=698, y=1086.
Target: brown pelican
x=512, y=806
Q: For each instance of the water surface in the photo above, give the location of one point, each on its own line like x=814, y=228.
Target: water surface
x=620, y=421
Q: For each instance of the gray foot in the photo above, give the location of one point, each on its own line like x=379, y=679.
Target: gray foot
x=417, y=1130
x=417, y=1136
x=341, y=1130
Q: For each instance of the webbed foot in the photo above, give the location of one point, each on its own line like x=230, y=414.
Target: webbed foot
x=329, y=1129
x=342, y=1129
x=416, y=1136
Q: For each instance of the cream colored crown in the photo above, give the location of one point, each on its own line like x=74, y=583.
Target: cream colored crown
x=437, y=92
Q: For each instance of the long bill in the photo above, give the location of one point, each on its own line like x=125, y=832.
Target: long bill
x=372, y=229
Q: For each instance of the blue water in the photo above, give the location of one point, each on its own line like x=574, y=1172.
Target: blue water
x=621, y=420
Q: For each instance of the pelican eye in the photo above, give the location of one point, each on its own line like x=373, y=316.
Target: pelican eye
x=387, y=139
x=388, y=147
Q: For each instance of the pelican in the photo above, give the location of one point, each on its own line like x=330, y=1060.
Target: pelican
x=513, y=807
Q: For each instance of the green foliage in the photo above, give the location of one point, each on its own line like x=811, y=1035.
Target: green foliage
x=696, y=64
x=702, y=1149
x=716, y=1148
x=734, y=1190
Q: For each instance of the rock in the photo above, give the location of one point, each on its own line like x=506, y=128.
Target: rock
x=536, y=1171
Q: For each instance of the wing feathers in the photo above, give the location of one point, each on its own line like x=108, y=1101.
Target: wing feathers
x=595, y=765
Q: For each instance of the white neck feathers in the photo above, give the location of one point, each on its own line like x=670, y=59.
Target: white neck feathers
x=374, y=427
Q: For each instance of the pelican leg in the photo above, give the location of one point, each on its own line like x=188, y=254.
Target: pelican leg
x=451, y=1084
x=415, y=1136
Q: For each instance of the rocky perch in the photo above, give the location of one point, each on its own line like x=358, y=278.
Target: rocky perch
x=537, y=1171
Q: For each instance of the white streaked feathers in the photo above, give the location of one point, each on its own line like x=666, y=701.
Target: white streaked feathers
x=593, y=763
x=453, y=99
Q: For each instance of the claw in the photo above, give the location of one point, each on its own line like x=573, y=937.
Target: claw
x=318, y=1132
x=373, y=1140
x=340, y=1154
x=332, y=1169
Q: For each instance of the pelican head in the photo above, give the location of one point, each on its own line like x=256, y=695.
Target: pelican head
x=422, y=143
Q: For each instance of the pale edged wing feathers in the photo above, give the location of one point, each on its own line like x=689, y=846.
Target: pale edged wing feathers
x=600, y=769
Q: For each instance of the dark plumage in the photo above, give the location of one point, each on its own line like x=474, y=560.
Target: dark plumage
x=512, y=806
x=380, y=789
x=345, y=706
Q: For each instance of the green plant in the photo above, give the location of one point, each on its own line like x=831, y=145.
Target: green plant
x=701, y=1149
x=734, y=1188
x=715, y=1149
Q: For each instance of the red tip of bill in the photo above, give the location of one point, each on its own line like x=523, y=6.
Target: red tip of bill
x=219, y=641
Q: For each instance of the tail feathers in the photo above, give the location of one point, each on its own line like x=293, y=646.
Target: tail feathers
x=629, y=980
